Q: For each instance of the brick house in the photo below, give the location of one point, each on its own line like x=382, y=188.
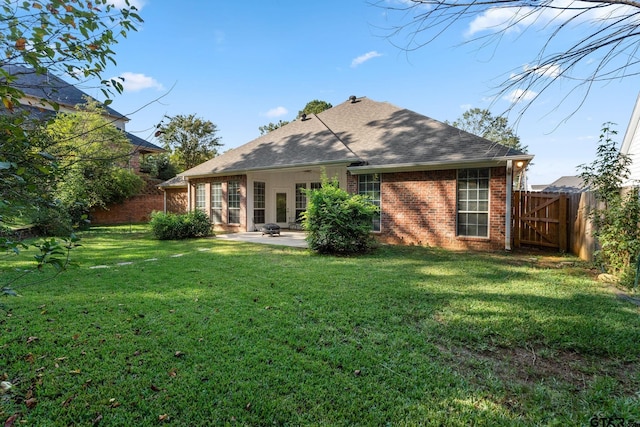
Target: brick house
x=435, y=184
x=40, y=87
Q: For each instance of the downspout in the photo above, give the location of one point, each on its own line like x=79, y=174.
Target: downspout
x=507, y=221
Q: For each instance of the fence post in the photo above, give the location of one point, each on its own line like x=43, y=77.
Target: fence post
x=562, y=223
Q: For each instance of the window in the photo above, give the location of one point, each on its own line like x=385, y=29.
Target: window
x=301, y=201
x=259, y=203
x=473, y=202
x=233, y=202
x=316, y=185
x=201, y=203
x=369, y=185
x=216, y=202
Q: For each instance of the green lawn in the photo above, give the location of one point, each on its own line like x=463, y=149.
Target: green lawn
x=210, y=332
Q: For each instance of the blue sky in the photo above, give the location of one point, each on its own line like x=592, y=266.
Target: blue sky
x=242, y=65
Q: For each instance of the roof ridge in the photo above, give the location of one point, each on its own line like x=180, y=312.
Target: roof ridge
x=337, y=137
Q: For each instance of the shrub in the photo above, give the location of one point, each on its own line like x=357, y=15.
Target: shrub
x=617, y=215
x=54, y=220
x=338, y=222
x=170, y=226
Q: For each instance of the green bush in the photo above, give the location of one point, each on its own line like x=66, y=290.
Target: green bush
x=617, y=214
x=170, y=226
x=338, y=222
x=54, y=220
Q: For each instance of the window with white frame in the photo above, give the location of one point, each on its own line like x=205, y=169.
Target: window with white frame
x=301, y=201
x=201, y=192
x=369, y=185
x=259, y=202
x=233, y=202
x=216, y=202
x=473, y=202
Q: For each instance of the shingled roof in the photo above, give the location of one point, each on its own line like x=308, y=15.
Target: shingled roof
x=364, y=135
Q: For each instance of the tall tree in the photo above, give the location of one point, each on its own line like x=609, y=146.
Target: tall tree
x=92, y=155
x=314, y=107
x=272, y=126
x=482, y=123
x=190, y=139
x=580, y=42
x=72, y=38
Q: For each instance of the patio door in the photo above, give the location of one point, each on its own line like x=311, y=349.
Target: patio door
x=281, y=207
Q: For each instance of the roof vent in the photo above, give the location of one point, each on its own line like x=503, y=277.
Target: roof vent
x=352, y=98
x=303, y=117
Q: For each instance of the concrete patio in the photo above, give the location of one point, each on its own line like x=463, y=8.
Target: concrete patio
x=286, y=238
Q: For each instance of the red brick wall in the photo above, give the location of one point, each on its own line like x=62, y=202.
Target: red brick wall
x=419, y=208
x=135, y=209
x=176, y=200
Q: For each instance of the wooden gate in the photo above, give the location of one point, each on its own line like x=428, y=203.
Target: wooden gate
x=540, y=219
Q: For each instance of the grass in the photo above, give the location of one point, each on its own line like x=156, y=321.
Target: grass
x=209, y=332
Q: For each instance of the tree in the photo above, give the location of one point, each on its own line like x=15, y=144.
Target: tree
x=272, y=126
x=314, y=107
x=482, y=123
x=72, y=38
x=617, y=215
x=190, y=139
x=599, y=37
x=159, y=166
x=93, y=159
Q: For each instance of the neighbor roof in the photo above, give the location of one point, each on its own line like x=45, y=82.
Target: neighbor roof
x=566, y=184
x=50, y=87
x=364, y=135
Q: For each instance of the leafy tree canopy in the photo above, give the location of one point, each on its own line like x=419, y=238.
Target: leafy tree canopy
x=190, y=139
x=314, y=107
x=93, y=156
x=75, y=38
x=272, y=126
x=482, y=123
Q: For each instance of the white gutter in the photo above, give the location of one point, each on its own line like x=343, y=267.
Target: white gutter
x=507, y=220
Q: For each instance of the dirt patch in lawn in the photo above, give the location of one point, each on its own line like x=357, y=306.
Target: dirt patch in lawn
x=529, y=366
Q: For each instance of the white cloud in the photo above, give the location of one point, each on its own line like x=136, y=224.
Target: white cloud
x=121, y=4
x=364, y=58
x=466, y=107
x=135, y=82
x=552, y=71
x=276, y=112
x=519, y=95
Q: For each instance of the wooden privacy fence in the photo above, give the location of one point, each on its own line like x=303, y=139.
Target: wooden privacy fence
x=557, y=221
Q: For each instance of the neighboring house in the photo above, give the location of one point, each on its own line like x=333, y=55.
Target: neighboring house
x=631, y=146
x=564, y=184
x=38, y=88
x=435, y=184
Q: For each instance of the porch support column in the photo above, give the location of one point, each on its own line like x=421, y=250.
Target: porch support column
x=188, y=196
x=164, y=201
x=507, y=216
